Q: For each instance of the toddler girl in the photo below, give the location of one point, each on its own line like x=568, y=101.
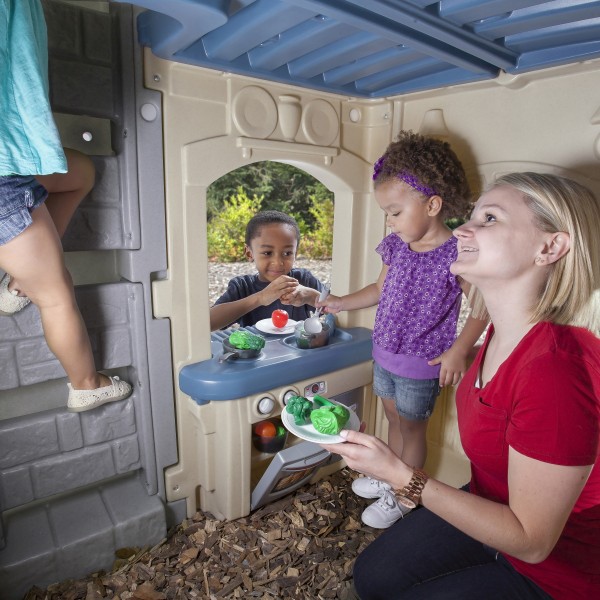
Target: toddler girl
x=419, y=183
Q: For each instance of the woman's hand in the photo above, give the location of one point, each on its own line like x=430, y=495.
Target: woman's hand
x=369, y=455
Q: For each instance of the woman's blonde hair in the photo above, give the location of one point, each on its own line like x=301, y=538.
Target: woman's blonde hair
x=571, y=295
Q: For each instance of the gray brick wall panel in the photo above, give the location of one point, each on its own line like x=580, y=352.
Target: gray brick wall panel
x=77, y=534
x=76, y=85
x=142, y=518
x=126, y=455
x=97, y=46
x=78, y=529
x=71, y=470
x=70, y=436
x=109, y=311
x=8, y=374
x=64, y=31
x=115, y=421
x=83, y=532
x=21, y=558
x=45, y=455
x=25, y=439
x=16, y=487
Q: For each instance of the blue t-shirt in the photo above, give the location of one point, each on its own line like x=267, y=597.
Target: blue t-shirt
x=243, y=286
x=29, y=141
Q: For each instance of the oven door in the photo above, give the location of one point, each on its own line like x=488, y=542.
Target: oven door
x=289, y=469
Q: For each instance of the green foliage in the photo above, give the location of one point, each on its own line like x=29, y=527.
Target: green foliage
x=454, y=222
x=226, y=230
x=282, y=187
x=275, y=186
x=318, y=243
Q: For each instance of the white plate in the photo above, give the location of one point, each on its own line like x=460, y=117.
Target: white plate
x=310, y=434
x=266, y=326
x=320, y=122
x=254, y=112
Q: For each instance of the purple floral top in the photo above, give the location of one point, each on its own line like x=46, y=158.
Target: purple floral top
x=418, y=309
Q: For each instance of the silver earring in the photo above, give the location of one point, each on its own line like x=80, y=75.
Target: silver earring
x=539, y=259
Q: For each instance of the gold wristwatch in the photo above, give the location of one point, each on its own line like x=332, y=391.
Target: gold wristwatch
x=410, y=494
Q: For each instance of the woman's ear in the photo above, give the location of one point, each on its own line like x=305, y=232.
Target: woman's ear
x=557, y=245
x=248, y=253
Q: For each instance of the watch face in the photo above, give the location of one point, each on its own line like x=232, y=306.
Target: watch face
x=406, y=502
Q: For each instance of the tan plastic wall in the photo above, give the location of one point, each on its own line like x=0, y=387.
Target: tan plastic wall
x=216, y=122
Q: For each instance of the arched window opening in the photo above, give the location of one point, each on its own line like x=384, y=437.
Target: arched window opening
x=237, y=196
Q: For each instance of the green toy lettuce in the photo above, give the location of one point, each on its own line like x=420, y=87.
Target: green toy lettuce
x=329, y=418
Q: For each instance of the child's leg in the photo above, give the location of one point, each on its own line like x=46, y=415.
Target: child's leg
x=395, y=438
x=414, y=438
x=67, y=190
x=35, y=259
x=408, y=414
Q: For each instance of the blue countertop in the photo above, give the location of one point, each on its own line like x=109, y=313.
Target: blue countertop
x=281, y=362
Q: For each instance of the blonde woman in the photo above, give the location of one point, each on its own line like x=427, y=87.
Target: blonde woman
x=528, y=523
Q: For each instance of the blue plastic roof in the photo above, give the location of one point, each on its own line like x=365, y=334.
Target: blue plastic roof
x=372, y=48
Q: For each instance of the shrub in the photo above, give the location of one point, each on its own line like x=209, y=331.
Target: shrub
x=226, y=230
x=454, y=222
x=318, y=243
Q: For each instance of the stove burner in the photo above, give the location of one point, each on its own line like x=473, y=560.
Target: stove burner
x=235, y=357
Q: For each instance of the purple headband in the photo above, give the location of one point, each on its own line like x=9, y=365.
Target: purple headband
x=408, y=178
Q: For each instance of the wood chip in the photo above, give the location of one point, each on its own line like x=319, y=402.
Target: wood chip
x=301, y=546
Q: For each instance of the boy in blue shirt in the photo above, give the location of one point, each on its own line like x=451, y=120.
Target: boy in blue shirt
x=272, y=239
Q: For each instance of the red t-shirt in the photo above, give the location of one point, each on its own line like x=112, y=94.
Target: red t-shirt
x=544, y=402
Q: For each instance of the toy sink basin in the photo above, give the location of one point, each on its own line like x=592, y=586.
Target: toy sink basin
x=306, y=340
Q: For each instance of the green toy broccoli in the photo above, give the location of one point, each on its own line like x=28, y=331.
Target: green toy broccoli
x=244, y=340
x=300, y=408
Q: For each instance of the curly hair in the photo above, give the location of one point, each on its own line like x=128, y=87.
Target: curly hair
x=268, y=217
x=433, y=163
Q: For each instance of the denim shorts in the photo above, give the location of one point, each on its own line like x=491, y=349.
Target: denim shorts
x=19, y=196
x=415, y=398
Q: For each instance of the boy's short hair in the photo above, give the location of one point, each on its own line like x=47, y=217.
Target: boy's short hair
x=268, y=217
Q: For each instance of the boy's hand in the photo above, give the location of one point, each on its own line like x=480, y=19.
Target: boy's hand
x=283, y=285
x=332, y=304
x=454, y=365
x=300, y=296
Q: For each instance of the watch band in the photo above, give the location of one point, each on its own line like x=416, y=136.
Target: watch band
x=410, y=494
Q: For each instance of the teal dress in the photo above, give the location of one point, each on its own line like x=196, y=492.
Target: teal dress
x=29, y=141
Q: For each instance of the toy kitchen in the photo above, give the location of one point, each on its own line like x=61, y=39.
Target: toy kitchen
x=240, y=473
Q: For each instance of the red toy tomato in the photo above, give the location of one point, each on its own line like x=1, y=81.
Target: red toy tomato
x=265, y=429
x=279, y=318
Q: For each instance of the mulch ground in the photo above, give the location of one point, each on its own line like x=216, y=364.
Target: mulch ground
x=303, y=546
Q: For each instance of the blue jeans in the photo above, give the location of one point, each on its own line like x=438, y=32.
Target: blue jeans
x=20, y=195
x=414, y=398
x=422, y=557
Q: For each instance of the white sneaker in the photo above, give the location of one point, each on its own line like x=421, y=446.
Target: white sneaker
x=80, y=400
x=385, y=512
x=367, y=487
